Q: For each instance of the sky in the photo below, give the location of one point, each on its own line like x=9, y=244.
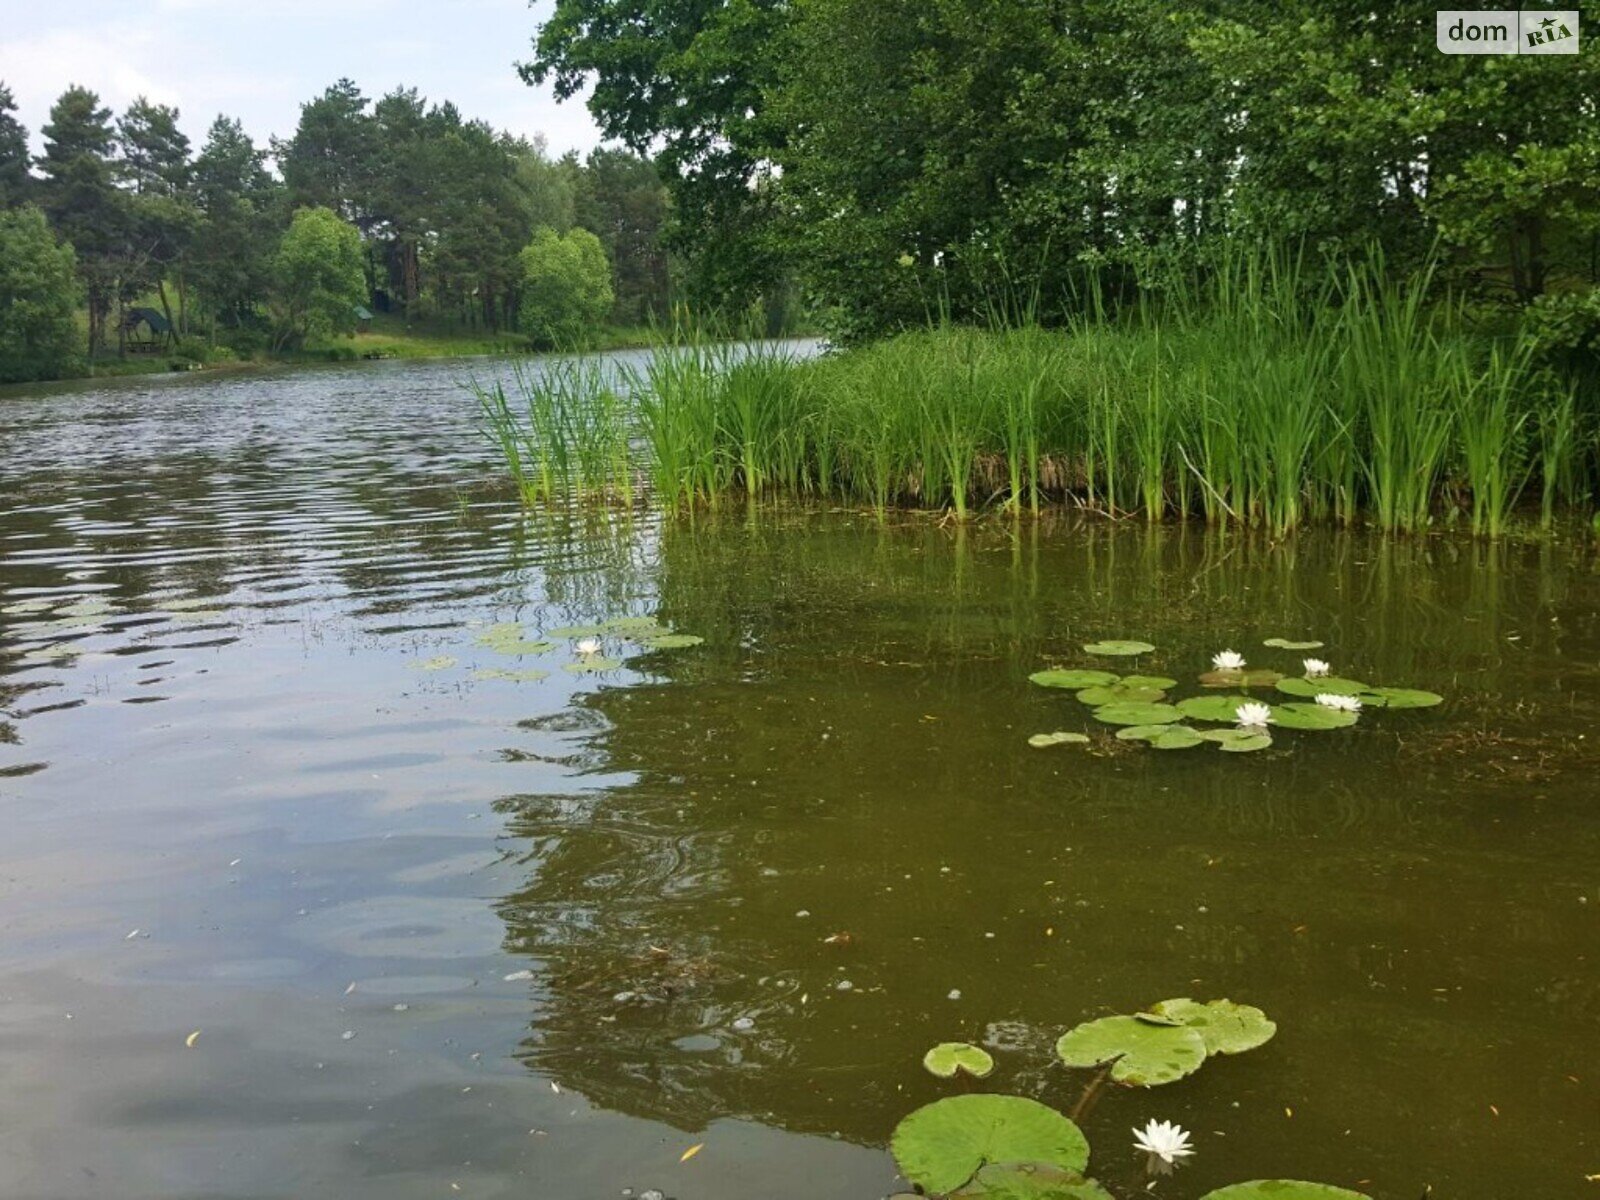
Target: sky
x=260, y=61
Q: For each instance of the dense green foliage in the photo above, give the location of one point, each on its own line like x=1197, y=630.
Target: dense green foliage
x=566, y=285
x=1006, y=149
x=38, y=299
x=443, y=208
x=317, y=277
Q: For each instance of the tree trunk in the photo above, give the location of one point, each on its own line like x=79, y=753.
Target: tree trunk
x=166, y=308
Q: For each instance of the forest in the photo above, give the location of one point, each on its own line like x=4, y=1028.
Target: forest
x=397, y=207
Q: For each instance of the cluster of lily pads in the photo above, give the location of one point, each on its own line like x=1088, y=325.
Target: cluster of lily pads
x=1140, y=705
x=1013, y=1148
x=594, y=648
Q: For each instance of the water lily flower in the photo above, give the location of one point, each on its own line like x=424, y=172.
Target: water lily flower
x=1315, y=668
x=1164, y=1139
x=1253, y=715
x=1228, y=660
x=1341, y=703
x=589, y=645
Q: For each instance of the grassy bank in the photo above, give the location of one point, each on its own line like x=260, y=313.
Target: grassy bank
x=387, y=338
x=1257, y=397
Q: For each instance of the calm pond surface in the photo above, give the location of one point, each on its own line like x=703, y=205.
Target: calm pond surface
x=446, y=934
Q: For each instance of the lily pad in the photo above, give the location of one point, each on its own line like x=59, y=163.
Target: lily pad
x=1159, y=682
x=575, y=631
x=529, y=675
x=1042, y=741
x=942, y=1145
x=1140, y=733
x=1030, y=1181
x=1331, y=684
x=1120, y=693
x=1140, y=1053
x=1227, y=1028
x=1137, y=714
x=519, y=648
x=1237, y=741
x=631, y=625
x=1404, y=697
x=439, y=662
x=1177, y=737
x=1279, y=643
x=592, y=665
x=1213, y=708
x=1304, y=714
x=1283, y=1189
x=671, y=641
x=945, y=1059
x=1118, y=648
x=1246, y=678
x=1059, y=677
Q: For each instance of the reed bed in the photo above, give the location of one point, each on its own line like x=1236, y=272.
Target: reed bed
x=1253, y=396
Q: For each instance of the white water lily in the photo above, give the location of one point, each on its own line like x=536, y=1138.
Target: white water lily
x=1166, y=1140
x=587, y=646
x=1342, y=703
x=1228, y=660
x=1253, y=715
x=1315, y=668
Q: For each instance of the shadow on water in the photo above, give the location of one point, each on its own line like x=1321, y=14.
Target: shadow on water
x=820, y=845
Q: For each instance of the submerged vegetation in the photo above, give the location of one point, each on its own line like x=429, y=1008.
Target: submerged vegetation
x=1254, y=394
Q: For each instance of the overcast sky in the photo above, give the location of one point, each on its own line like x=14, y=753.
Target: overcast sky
x=259, y=61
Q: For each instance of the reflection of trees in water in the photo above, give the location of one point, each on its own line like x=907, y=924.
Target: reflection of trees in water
x=849, y=744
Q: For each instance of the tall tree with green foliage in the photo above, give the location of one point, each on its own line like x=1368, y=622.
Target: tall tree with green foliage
x=15, y=182
x=162, y=217
x=79, y=194
x=621, y=199
x=241, y=207
x=39, y=294
x=329, y=161
x=688, y=81
x=566, y=286
x=317, y=278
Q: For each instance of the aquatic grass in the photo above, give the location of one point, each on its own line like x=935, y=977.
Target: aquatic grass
x=1258, y=391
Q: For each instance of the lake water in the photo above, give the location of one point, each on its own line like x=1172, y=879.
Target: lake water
x=443, y=933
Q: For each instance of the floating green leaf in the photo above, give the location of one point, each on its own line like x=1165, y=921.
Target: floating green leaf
x=1140, y=733
x=945, y=1059
x=1278, y=643
x=1176, y=737
x=1237, y=741
x=1159, y=682
x=1283, y=1189
x=671, y=641
x=1060, y=677
x=1329, y=684
x=592, y=665
x=1213, y=708
x=1030, y=1181
x=1393, y=697
x=439, y=662
x=1137, y=714
x=631, y=625
x=1251, y=677
x=1118, y=648
x=1227, y=1028
x=1042, y=741
x=517, y=649
x=529, y=675
x=1303, y=714
x=942, y=1145
x=1141, y=1053
x=575, y=631
x=1120, y=693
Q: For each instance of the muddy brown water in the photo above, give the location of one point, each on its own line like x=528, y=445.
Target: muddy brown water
x=445, y=934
